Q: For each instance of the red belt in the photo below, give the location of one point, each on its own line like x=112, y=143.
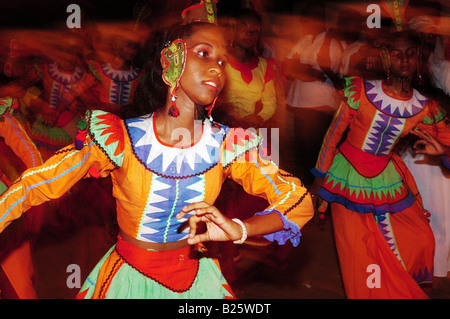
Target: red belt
x=174, y=269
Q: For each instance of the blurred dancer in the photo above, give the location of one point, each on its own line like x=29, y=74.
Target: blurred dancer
x=118, y=77
x=248, y=100
x=313, y=68
x=434, y=177
x=377, y=211
x=249, y=95
x=64, y=92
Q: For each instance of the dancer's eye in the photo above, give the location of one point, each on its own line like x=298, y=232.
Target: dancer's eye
x=203, y=53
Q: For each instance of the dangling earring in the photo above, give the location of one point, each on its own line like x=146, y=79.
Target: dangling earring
x=385, y=59
x=419, y=75
x=174, y=60
x=173, y=110
x=388, y=78
x=210, y=107
x=420, y=79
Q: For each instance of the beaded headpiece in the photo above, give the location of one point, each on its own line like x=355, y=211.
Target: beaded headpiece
x=204, y=11
x=396, y=10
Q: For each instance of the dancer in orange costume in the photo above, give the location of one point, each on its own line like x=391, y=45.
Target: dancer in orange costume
x=164, y=187
x=377, y=210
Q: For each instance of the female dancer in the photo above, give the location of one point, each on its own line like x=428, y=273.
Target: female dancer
x=163, y=184
x=383, y=238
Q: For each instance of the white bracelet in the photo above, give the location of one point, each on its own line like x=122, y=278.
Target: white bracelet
x=244, y=232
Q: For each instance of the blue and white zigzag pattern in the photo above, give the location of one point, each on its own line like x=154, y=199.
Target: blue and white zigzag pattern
x=166, y=198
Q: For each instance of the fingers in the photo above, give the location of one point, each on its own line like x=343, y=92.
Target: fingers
x=418, y=145
x=189, y=208
x=422, y=134
x=195, y=238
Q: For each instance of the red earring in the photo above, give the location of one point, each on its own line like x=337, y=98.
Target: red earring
x=173, y=110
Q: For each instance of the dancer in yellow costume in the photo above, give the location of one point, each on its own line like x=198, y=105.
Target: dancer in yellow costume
x=249, y=95
x=165, y=186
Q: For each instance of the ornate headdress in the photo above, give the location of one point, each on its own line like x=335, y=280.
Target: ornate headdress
x=396, y=10
x=174, y=54
x=204, y=11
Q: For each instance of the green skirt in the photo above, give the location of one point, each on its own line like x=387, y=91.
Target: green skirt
x=130, y=272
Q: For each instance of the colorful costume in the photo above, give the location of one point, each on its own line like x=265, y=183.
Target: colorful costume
x=17, y=264
x=62, y=91
x=377, y=210
x=116, y=86
x=250, y=86
x=152, y=181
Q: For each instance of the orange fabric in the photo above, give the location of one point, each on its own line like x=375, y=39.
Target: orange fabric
x=360, y=244
x=105, y=276
x=16, y=137
x=67, y=166
x=18, y=267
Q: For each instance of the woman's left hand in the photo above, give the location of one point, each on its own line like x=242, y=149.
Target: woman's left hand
x=218, y=226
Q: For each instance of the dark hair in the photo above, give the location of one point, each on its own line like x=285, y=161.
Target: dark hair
x=247, y=13
x=151, y=92
x=408, y=35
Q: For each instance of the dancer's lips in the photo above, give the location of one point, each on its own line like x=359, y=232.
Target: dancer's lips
x=211, y=83
x=404, y=67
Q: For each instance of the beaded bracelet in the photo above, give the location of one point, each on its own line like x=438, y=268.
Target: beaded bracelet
x=244, y=232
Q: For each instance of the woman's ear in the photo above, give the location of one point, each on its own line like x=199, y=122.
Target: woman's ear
x=163, y=62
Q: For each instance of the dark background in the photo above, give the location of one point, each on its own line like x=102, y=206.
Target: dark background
x=48, y=13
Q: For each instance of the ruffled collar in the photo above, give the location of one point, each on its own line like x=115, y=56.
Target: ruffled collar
x=171, y=161
x=392, y=106
x=63, y=77
x=120, y=75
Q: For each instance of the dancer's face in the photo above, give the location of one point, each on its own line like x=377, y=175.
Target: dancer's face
x=403, y=58
x=204, y=76
x=247, y=33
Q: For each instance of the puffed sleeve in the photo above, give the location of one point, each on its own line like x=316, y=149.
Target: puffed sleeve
x=339, y=124
x=437, y=124
x=93, y=158
x=243, y=160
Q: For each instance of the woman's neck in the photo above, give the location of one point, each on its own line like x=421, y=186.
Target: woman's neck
x=181, y=131
x=242, y=55
x=399, y=87
x=66, y=67
x=121, y=64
